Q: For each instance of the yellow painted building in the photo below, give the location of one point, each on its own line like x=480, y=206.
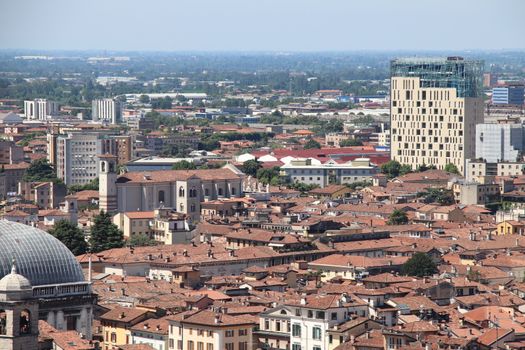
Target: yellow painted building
x=511, y=227
x=117, y=323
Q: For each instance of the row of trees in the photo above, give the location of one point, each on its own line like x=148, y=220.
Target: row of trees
x=393, y=169
x=104, y=235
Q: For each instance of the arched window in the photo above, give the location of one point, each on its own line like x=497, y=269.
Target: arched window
x=103, y=167
x=3, y=322
x=181, y=191
x=25, y=322
x=192, y=208
x=206, y=192
x=181, y=207
x=161, y=196
x=233, y=191
x=193, y=192
x=220, y=191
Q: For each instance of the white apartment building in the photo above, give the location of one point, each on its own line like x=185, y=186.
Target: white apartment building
x=107, y=110
x=40, y=109
x=312, y=172
x=500, y=142
x=314, y=315
x=77, y=157
x=435, y=107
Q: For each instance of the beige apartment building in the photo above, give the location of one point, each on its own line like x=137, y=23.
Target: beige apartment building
x=435, y=107
x=210, y=330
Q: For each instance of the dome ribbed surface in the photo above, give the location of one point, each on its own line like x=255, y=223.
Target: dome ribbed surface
x=40, y=257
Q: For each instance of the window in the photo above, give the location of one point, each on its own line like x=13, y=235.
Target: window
x=229, y=333
x=228, y=346
x=209, y=346
x=319, y=315
x=243, y=345
x=25, y=322
x=113, y=337
x=200, y=345
x=161, y=196
x=206, y=192
x=267, y=324
x=3, y=322
x=334, y=316
x=179, y=344
x=220, y=191
x=316, y=348
x=171, y=343
x=243, y=332
x=181, y=191
x=296, y=346
x=316, y=333
x=296, y=330
x=190, y=344
x=310, y=314
x=297, y=312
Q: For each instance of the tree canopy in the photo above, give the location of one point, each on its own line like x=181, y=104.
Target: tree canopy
x=71, y=236
x=184, y=165
x=104, y=234
x=441, y=196
x=397, y=217
x=351, y=142
x=394, y=169
x=419, y=265
x=250, y=167
x=141, y=240
x=40, y=170
x=451, y=168
x=312, y=144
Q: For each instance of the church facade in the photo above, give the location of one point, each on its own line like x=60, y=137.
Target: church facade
x=182, y=190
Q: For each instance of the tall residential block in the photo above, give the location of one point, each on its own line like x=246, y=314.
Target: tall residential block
x=503, y=142
x=40, y=109
x=107, y=110
x=77, y=157
x=435, y=106
x=512, y=94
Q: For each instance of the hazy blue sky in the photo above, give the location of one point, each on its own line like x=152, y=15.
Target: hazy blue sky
x=262, y=25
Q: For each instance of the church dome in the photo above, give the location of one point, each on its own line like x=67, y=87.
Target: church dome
x=40, y=258
x=14, y=282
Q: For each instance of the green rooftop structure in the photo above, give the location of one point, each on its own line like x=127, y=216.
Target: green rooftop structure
x=451, y=72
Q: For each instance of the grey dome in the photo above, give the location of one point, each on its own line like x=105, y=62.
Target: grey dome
x=40, y=257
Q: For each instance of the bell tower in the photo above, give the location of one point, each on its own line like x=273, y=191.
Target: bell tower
x=18, y=313
x=107, y=187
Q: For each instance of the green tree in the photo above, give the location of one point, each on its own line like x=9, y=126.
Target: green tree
x=40, y=170
x=419, y=265
x=441, y=196
x=404, y=169
x=250, y=167
x=351, y=142
x=141, y=240
x=397, y=217
x=451, y=168
x=144, y=99
x=311, y=144
x=71, y=236
x=391, y=169
x=104, y=234
x=184, y=165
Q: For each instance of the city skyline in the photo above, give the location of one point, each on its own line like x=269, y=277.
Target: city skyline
x=302, y=26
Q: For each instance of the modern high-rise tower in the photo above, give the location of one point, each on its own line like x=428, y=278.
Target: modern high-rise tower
x=435, y=106
x=106, y=110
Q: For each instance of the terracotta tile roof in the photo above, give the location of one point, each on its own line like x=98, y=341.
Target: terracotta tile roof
x=157, y=326
x=492, y=335
x=177, y=175
x=140, y=214
x=358, y=261
x=123, y=314
x=217, y=319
